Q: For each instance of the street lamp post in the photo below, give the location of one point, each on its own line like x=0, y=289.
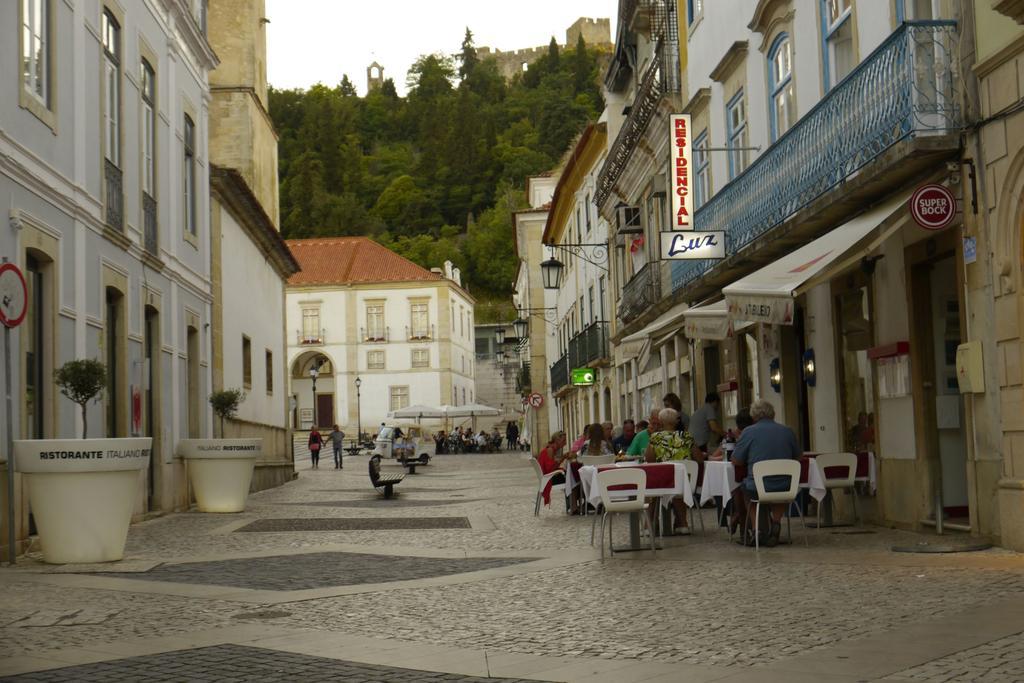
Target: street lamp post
x=359, y=416
x=313, y=373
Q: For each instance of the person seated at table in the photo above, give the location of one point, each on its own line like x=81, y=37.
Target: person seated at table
x=596, y=443
x=766, y=439
x=402, y=445
x=723, y=453
x=667, y=445
x=551, y=460
x=608, y=428
x=440, y=443
x=621, y=442
x=638, y=446
x=578, y=443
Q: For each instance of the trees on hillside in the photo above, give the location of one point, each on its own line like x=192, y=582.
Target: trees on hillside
x=434, y=175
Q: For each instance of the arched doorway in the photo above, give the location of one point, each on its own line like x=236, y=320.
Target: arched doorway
x=313, y=391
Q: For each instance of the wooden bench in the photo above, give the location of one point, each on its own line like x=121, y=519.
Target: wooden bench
x=383, y=481
x=410, y=463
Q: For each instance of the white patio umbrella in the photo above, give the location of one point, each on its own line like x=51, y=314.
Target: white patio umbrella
x=419, y=412
x=473, y=410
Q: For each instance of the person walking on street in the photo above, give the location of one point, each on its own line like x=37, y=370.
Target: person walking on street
x=316, y=442
x=705, y=425
x=338, y=441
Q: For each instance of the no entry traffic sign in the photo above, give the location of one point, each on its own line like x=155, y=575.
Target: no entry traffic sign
x=536, y=400
x=933, y=207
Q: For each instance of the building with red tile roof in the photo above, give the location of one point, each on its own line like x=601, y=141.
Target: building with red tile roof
x=356, y=309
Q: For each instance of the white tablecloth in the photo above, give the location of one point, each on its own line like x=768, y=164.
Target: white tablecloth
x=720, y=480
x=588, y=478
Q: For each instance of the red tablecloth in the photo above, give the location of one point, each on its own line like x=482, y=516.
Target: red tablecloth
x=658, y=476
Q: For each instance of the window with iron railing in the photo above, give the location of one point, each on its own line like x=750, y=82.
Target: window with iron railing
x=375, y=330
x=420, y=314
x=311, y=332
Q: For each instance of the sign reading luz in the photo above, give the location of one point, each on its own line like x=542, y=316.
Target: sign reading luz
x=682, y=198
x=677, y=246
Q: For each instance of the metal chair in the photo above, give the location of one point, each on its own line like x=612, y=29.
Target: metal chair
x=623, y=500
x=847, y=464
x=542, y=481
x=774, y=468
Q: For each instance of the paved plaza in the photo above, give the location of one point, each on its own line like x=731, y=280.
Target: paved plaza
x=455, y=579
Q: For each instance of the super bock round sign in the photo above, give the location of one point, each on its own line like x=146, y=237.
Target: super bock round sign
x=933, y=207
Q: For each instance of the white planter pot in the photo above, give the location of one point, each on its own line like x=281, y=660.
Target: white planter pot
x=220, y=471
x=82, y=492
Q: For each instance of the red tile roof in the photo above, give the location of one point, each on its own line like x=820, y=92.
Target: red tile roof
x=352, y=260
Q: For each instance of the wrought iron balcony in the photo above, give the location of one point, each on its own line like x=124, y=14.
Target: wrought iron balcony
x=115, y=196
x=310, y=338
x=589, y=346
x=907, y=88
x=152, y=241
x=640, y=293
x=415, y=333
x=560, y=374
x=645, y=103
x=379, y=335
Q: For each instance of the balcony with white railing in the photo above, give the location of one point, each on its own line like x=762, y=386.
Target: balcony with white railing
x=896, y=114
x=419, y=333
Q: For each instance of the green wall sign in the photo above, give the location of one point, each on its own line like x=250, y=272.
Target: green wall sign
x=583, y=377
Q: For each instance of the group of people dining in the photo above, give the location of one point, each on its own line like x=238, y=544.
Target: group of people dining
x=670, y=435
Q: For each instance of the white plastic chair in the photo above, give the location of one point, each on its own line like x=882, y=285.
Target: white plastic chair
x=596, y=460
x=629, y=500
x=542, y=481
x=848, y=480
x=692, y=468
x=769, y=468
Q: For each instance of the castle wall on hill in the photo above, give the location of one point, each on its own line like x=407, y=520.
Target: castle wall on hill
x=596, y=32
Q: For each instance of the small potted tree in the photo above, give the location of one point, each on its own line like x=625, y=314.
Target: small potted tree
x=82, y=490
x=221, y=469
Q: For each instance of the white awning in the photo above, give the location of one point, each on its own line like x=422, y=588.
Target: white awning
x=671, y=317
x=768, y=295
x=710, y=321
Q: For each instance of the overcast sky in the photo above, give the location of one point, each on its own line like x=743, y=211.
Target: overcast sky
x=310, y=41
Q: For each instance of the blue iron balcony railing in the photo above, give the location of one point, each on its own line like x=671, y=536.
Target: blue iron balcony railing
x=560, y=373
x=908, y=87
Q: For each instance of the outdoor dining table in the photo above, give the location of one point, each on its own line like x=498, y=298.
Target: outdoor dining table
x=720, y=479
x=665, y=480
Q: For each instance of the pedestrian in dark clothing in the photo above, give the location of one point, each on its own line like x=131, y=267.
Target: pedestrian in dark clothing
x=316, y=442
x=512, y=435
x=338, y=441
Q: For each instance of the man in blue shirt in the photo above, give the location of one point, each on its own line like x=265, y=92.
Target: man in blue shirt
x=766, y=439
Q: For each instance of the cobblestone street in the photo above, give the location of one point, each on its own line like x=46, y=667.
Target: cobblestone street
x=322, y=579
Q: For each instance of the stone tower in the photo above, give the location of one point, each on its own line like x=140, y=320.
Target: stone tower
x=374, y=77
x=242, y=136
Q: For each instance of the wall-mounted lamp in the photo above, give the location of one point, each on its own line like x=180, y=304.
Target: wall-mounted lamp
x=499, y=336
x=521, y=327
x=775, y=375
x=551, y=273
x=499, y=355
x=809, y=368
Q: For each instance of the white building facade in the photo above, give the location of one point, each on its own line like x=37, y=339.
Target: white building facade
x=360, y=311
x=104, y=177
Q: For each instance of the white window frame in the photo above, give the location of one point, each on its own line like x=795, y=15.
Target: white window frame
x=147, y=90
x=189, y=180
x=312, y=333
x=782, y=92
x=702, y=168
x=375, y=327
x=376, y=360
x=737, y=131
x=420, y=358
x=110, y=37
x=419, y=329
x=398, y=397
x=36, y=48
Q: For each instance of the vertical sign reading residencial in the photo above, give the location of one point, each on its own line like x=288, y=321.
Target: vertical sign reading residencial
x=682, y=198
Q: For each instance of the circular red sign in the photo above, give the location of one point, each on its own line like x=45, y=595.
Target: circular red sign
x=13, y=295
x=933, y=207
x=536, y=400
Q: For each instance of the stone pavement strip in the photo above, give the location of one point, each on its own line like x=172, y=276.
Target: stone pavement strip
x=329, y=582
